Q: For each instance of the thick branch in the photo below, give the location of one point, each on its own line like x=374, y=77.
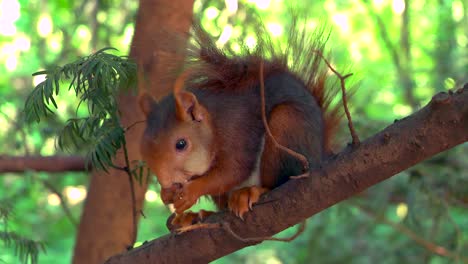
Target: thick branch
x=441, y=125
x=41, y=163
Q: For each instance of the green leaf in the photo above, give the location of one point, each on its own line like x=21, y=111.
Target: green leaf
x=39, y=73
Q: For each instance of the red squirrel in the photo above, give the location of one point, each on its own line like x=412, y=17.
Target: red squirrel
x=208, y=138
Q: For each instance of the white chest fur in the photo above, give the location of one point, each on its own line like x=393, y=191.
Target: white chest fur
x=254, y=178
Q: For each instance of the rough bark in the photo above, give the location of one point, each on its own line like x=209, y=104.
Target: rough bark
x=106, y=226
x=42, y=163
x=441, y=125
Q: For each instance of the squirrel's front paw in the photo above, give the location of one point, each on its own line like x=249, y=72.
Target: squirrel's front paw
x=241, y=200
x=185, y=197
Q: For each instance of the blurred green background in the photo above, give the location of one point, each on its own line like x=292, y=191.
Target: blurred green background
x=401, y=53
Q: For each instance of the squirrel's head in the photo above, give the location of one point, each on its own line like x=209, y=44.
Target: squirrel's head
x=177, y=143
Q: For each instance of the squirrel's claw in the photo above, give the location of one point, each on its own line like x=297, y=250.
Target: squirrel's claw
x=242, y=200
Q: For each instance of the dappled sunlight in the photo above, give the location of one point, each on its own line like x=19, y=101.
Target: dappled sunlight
x=458, y=10
x=402, y=210
x=7, y=114
x=379, y=4
x=356, y=51
x=8, y=55
x=22, y=42
x=49, y=147
x=151, y=196
x=55, y=41
x=9, y=14
x=261, y=4
x=83, y=36
x=398, y=6
x=127, y=36
x=385, y=96
x=266, y=256
x=462, y=40
x=37, y=79
x=211, y=12
x=341, y=20
x=10, y=51
x=53, y=199
x=225, y=36
x=232, y=6
x=251, y=42
x=401, y=110
x=275, y=29
x=11, y=62
x=75, y=194
x=44, y=25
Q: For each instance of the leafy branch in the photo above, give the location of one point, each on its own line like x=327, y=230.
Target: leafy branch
x=26, y=250
x=96, y=80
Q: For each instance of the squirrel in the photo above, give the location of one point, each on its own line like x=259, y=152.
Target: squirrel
x=208, y=138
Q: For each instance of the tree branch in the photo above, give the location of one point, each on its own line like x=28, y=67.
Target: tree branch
x=41, y=163
x=441, y=125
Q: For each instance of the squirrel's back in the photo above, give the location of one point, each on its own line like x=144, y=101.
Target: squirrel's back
x=218, y=69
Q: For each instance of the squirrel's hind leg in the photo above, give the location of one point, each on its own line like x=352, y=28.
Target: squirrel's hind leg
x=298, y=128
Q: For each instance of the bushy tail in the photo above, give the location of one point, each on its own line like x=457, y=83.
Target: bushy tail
x=302, y=56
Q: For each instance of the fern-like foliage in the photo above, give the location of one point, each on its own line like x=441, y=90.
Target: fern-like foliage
x=26, y=250
x=96, y=80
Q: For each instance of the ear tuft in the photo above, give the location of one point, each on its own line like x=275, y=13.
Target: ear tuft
x=147, y=103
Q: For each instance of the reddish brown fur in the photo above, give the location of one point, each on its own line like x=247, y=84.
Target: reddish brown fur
x=225, y=69
x=226, y=87
x=283, y=120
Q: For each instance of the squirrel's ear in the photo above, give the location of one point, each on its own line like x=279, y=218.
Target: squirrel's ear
x=187, y=107
x=147, y=103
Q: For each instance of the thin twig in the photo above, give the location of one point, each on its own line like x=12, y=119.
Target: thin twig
x=132, y=190
x=291, y=152
x=197, y=226
x=118, y=167
x=299, y=231
x=63, y=202
x=20, y=129
x=342, y=78
x=132, y=125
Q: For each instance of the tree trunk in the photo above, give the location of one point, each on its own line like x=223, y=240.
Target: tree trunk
x=106, y=226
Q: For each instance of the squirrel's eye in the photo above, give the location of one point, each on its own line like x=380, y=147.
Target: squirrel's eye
x=181, y=144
